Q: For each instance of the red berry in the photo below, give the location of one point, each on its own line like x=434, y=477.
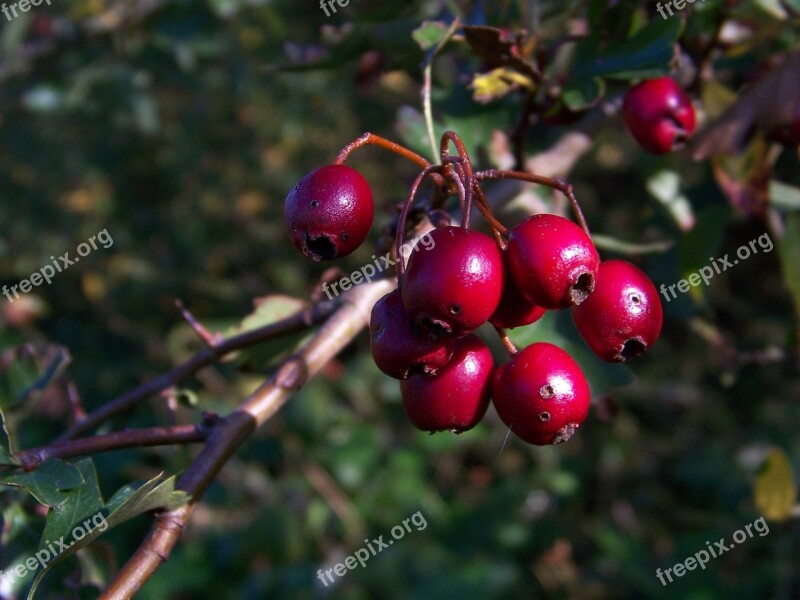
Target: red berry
x=659, y=114
x=456, y=398
x=401, y=347
x=622, y=317
x=541, y=394
x=552, y=261
x=514, y=309
x=329, y=213
x=454, y=286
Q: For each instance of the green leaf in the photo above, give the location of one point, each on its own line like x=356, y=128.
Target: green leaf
x=6, y=456
x=775, y=492
x=557, y=328
x=49, y=483
x=269, y=310
x=645, y=54
x=790, y=259
x=127, y=503
x=429, y=34
x=583, y=93
x=78, y=503
x=701, y=244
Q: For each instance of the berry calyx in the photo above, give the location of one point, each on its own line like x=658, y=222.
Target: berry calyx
x=329, y=212
x=541, y=394
x=552, y=261
x=456, y=398
x=455, y=286
x=622, y=318
x=515, y=310
x=399, y=346
x=659, y=114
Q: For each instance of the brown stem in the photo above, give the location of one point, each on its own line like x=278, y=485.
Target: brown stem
x=153, y=436
x=297, y=322
x=225, y=438
x=401, y=221
x=370, y=139
x=486, y=210
x=507, y=343
x=558, y=184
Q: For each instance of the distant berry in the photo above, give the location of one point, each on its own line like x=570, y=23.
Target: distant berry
x=456, y=398
x=552, y=261
x=454, y=286
x=514, y=309
x=401, y=347
x=622, y=318
x=329, y=212
x=541, y=394
x=659, y=114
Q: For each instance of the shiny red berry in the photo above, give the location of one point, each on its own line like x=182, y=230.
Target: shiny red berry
x=454, y=286
x=659, y=114
x=622, y=318
x=400, y=347
x=456, y=398
x=329, y=212
x=515, y=310
x=541, y=394
x=552, y=261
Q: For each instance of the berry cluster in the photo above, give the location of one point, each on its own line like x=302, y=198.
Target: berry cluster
x=423, y=332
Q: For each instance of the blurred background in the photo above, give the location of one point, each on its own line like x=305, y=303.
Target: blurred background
x=179, y=126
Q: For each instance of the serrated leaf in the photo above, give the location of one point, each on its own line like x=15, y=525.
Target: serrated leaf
x=429, y=34
x=789, y=251
x=76, y=504
x=127, y=503
x=49, y=483
x=645, y=54
x=775, y=492
x=556, y=327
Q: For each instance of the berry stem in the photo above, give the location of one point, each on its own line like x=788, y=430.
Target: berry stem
x=507, y=343
x=401, y=221
x=486, y=210
x=370, y=139
x=552, y=182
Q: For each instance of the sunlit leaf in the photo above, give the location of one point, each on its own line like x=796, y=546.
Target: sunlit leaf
x=775, y=492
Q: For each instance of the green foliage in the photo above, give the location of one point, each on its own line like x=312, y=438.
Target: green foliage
x=181, y=133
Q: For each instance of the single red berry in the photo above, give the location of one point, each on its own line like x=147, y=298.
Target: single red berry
x=623, y=315
x=515, y=310
x=454, y=286
x=400, y=347
x=329, y=212
x=541, y=394
x=659, y=114
x=552, y=261
x=456, y=398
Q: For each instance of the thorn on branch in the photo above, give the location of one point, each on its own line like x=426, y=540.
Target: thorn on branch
x=209, y=339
